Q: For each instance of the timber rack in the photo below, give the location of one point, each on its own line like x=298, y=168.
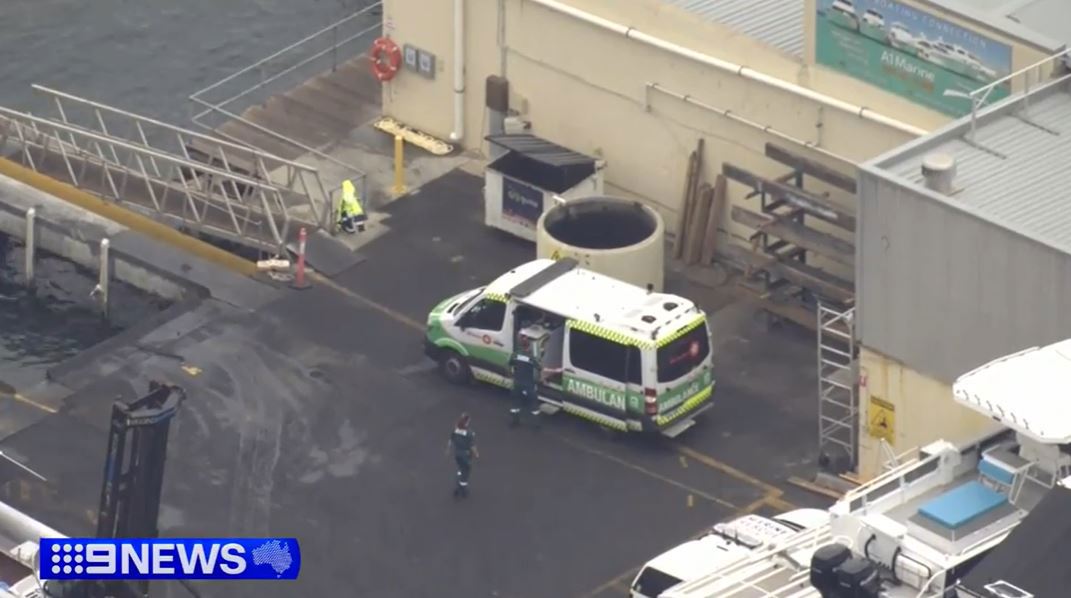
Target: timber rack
x=793, y=227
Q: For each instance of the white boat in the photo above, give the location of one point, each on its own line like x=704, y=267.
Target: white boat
x=916, y=530
x=900, y=38
x=872, y=25
x=842, y=14
x=19, y=537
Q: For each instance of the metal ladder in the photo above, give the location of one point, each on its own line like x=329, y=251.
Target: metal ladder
x=187, y=179
x=838, y=405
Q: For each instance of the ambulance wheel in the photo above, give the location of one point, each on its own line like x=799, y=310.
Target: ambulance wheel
x=455, y=368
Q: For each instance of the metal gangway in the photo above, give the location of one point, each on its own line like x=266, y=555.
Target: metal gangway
x=193, y=181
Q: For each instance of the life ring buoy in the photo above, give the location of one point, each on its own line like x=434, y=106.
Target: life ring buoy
x=386, y=58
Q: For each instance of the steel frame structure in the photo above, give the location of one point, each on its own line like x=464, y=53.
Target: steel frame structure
x=234, y=192
x=838, y=375
x=211, y=114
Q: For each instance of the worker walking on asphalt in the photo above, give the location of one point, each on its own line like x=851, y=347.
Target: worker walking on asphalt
x=463, y=442
x=526, y=376
x=351, y=217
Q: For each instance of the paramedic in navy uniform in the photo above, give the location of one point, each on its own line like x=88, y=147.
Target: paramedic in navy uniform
x=526, y=376
x=463, y=441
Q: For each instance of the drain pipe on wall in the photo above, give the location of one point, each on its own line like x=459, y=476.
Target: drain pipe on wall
x=687, y=99
x=459, y=71
x=729, y=67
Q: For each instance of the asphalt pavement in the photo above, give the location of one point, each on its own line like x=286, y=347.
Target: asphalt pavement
x=316, y=415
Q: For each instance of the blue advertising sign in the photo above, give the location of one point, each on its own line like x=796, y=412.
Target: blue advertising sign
x=521, y=203
x=169, y=558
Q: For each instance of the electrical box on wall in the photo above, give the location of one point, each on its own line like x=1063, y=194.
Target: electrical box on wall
x=418, y=61
x=426, y=64
x=409, y=57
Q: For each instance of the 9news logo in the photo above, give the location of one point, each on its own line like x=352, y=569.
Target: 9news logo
x=169, y=558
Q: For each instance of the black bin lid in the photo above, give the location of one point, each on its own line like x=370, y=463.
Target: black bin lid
x=541, y=163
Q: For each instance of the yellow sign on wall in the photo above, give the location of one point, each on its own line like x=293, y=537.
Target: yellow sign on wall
x=881, y=419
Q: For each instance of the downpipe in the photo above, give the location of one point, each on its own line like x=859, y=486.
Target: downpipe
x=458, y=133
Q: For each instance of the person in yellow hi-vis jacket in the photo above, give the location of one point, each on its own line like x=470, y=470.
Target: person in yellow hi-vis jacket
x=351, y=216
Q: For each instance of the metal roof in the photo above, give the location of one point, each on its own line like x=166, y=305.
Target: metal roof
x=1042, y=22
x=778, y=23
x=1014, y=172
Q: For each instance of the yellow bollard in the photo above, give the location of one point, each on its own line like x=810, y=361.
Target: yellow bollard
x=399, y=166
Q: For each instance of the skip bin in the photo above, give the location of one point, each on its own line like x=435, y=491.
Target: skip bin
x=523, y=181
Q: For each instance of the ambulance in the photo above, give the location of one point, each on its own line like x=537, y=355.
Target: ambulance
x=627, y=358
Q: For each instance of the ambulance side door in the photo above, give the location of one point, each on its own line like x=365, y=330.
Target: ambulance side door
x=486, y=328
x=596, y=372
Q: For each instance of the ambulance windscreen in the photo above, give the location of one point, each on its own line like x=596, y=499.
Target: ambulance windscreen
x=680, y=357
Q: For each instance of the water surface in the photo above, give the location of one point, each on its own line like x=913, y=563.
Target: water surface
x=59, y=319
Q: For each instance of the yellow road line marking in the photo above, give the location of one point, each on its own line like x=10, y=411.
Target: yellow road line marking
x=728, y=470
x=646, y=472
x=691, y=500
x=779, y=503
x=23, y=399
x=390, y=313
x=754, y=506
x=620, y=579
x=684, y=462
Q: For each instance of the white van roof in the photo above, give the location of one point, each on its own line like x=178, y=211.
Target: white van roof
x=696, y=558
x=564, y=288
x=708, y=553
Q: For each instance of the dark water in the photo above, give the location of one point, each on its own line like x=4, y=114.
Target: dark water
x=59, y=319
x=145, y=56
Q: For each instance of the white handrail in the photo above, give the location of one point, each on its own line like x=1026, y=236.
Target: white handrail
x=300, y=42
x=979, y=96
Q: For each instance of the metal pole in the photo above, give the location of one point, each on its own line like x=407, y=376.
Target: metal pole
x=299, y=276
x=102, y=283
x=399, y=166
x=31, y=246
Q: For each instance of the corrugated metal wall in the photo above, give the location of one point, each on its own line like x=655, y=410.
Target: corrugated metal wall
x=775, y=22
x=943, y=291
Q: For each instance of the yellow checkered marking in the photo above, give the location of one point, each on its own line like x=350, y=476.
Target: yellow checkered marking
x=602, y=420
x=610, y=335
x=695, y=401
x=491, y=378
x=683, y=331
x=501, y=298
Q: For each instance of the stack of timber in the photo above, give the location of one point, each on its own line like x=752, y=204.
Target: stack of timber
x=701, y=213
x=778, y=272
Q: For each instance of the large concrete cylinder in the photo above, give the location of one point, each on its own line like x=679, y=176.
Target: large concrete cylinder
x=616, y=237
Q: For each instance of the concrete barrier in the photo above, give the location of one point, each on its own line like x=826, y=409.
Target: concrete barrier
x=76, y=234
x=112, y=212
